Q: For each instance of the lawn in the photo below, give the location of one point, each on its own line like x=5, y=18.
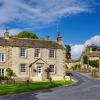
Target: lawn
x=20, y=88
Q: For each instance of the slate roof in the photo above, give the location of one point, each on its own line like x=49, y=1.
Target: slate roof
x=32, y=43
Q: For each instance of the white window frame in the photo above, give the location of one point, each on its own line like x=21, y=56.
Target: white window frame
x=39, y=55
x=2, y=59
x=25, y=52
x=2, y=72
x=54, y=68
x=50, y=54
x=23, y=72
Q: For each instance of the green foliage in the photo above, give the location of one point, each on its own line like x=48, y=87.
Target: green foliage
x=77, y=66
x=68, y=51
x=9, y=72
x=85, y=59
x=3, y=78
x=94, y=63
x=25, y=34
x=19, y=88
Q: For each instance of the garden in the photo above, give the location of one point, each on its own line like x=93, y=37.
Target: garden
x=8, y=85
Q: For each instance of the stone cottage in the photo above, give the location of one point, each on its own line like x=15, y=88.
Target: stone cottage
x=30, y=58
x=92, y=52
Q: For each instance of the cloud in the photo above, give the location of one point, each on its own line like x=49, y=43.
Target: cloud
x=39, y=13
x=76, y=50
x=94, y=40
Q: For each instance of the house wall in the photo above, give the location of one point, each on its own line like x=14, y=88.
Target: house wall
x=58, y=62
x=93, y=58
x=8, y=57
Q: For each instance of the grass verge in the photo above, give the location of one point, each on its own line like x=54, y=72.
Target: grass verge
x=20, y=88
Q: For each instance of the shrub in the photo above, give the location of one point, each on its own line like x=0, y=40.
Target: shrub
x=94, y=63
x=3, y=78
x=9, y=72
x=77, y=66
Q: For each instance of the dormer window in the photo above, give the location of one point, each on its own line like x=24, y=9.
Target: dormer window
x=52, y=53
x=37, y=53
x=23, y=52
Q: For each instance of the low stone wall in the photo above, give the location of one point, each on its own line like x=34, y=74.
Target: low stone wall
x=84, y=70
x=21, y=80
x=96, y=73
x=7, y=82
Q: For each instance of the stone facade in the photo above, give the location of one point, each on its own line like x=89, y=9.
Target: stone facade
x=92, y=52
x=35, y=69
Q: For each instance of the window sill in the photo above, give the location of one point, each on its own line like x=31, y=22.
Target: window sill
x=23, y=73
x=52, y=73
x=23, y=57
x=36, y=57
x=52, y=58
x=2, y=61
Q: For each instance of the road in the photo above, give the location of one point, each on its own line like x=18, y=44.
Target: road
x=85, y=89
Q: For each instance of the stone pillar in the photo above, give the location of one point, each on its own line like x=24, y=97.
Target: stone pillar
x=82, y=62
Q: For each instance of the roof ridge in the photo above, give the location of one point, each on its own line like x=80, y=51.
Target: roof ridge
x=31, y=39
x=27, y=42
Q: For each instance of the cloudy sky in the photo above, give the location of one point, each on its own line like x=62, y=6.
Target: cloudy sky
x=77, y=20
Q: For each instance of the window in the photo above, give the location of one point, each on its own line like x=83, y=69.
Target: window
x=52, y=53
x=23, y=52
x=2, y=57
x=52, y=68
x=1, y=72
x=23, y=68
x=37, y=53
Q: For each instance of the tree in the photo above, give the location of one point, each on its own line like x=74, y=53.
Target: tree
x=68, y=51
x=77, y=66
x=9, y=72
x=25, y=34
x=94, y=63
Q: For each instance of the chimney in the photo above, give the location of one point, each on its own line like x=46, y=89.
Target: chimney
x=6, y=34
x=59, y=39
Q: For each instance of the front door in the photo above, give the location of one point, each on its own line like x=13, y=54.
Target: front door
x=39, y=71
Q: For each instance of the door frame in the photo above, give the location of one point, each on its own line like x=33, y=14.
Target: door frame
x=39, y=70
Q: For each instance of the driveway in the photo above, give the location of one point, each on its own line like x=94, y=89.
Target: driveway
x=86, y=88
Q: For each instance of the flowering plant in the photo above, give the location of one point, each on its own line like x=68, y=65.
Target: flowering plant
x=47, y=70
x=34, y=70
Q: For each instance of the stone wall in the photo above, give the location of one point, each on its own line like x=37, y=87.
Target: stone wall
x=8, y=57
x=58, y=61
